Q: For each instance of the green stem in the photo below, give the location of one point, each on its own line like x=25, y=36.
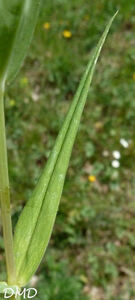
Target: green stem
x=5, y=197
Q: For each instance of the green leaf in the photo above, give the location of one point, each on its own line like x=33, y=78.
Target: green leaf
x=36, y=222
x=17, y=22
x=4, y=286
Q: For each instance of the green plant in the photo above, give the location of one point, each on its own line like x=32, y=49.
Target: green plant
x=24, y=254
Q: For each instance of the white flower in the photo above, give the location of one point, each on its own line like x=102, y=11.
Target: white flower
x=124, y=143
x=116, y=154
x=35, y=96
x=115, y=164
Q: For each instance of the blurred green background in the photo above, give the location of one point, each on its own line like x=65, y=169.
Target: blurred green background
x=91, y=255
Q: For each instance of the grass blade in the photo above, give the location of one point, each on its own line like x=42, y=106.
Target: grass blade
x=17, y=23
x=35, y=224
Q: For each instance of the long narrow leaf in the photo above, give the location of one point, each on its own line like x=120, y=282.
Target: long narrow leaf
x=17, y=22
x=35, y=224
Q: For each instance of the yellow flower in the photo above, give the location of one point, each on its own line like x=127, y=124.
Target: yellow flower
x=12, y=103
x=92, y=178
x=98, y=125
x=24, y=81
x=67, y=34
x=83, y=278
x=134, y=76
x=47, y=25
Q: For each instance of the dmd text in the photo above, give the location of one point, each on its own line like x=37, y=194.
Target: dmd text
x=25, y=293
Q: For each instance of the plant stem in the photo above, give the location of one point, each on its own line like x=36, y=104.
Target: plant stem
x=5, y=197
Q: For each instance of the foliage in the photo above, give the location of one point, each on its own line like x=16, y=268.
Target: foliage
x=95, y=223
x=34, y=228
x=17, y=23
x=58, y=284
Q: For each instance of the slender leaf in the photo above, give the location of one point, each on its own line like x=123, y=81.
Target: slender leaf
x=35, y=224
x=17, y=22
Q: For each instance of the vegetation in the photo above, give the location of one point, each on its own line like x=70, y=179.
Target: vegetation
x=91, y=253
